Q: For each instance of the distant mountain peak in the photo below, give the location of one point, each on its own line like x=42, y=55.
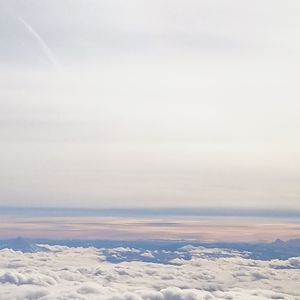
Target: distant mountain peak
x=278, y=242
x=21, y=244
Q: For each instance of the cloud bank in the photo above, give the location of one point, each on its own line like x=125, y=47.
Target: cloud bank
x=85, y=273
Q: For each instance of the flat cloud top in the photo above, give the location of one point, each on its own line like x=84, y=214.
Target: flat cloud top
x=85, y=273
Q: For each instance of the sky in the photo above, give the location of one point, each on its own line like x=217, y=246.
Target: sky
x=156, y=228
x=150, y=103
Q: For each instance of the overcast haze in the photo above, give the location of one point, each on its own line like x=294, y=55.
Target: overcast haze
x=150, y=103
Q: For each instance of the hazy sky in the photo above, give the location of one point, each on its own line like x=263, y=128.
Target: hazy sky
x=150, y=103
x=126, y=228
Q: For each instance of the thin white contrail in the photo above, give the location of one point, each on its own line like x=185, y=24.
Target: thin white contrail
x=46, y=50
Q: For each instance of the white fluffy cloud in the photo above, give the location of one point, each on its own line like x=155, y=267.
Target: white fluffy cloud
x=77, y=273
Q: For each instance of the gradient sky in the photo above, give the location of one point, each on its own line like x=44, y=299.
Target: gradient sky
x=150, y=103
x=118, y=228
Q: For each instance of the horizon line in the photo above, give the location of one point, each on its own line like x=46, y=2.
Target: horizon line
x=150, y=211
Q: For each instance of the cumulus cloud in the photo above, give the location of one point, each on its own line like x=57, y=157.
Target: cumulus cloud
x=87, y=273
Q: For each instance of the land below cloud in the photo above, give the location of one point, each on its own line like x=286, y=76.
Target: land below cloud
x=161, y=251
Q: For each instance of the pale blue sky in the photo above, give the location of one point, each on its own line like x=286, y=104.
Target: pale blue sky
x=150, y=103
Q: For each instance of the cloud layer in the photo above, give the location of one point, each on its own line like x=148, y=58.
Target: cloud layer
x=85, y=273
